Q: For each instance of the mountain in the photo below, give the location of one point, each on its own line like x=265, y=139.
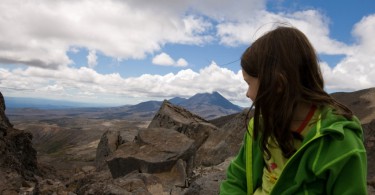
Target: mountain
x=209, y=99
x=177, y=100
x=207, y=105
x=148, y=106
x=210, y=105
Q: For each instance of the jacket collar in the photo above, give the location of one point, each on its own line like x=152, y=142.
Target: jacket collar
x=333, y=124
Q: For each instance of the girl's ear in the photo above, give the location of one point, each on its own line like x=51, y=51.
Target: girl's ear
x=281, y=82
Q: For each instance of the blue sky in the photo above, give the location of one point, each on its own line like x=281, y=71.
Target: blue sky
x=125, y=52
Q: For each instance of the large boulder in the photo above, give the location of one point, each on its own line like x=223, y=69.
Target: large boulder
x=109, y=142
x=225, y=142
x=155, y=150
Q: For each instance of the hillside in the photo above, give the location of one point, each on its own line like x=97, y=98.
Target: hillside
x=361, y=102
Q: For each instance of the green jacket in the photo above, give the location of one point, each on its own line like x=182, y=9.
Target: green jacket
x=331, y=160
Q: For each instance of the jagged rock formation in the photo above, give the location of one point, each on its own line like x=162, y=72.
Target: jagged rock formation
x=155, y=150
x=18, y=162
x=109, y=143
x=191, y=125
x=4, y=121
x=183, y=121
x=20, y=172
x=168, y=157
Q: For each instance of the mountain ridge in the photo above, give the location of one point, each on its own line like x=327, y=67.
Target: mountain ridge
x=207, y=105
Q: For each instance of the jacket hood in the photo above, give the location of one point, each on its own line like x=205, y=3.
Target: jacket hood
x=334, y=124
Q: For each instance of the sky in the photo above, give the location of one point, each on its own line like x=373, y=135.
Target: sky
x=121, y=52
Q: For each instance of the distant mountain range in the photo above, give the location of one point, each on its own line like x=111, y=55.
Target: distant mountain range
x=21, y=102
x=207, y=105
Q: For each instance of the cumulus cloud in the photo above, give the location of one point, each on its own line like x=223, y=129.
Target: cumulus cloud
x=357, y=69
x=85, y=83
x=311, y=22
x=164, y=59
x=181, y=62
x=92, y=59
x=40, y=34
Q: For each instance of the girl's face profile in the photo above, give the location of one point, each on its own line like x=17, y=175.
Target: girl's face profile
x=253, y=85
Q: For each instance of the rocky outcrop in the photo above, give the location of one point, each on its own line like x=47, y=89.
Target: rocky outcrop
x=4, y=121
x=155, y=150
x=181, y=120
x=225, y=142
x=20, y=172
x=174, y=117
x=173, y=149
x=109, y=142
x=18, y=162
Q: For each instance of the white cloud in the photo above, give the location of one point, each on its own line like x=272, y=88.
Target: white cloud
x=164, y=59
x=224, y=10
x=357, y=70
x=40, y=33
x=364, y=30
x=181, y=62
x=52, y=88
x=86, y=84
x=311, y=22
x=92, y=59
x=354, y=72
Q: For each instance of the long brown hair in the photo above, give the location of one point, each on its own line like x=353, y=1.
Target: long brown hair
x=286, y=66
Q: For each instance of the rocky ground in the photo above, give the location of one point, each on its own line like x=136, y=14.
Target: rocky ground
x=171, y=155
x=175, y=153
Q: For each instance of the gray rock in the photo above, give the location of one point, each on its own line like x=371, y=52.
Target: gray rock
x=109, y=142
x=4, y=121
x=18, y=162
x=179, y=173
x=177, y=118
x=225, y=142
x=207, y=179
x=156, y=150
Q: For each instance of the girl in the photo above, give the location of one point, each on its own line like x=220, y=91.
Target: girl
x=300, y=140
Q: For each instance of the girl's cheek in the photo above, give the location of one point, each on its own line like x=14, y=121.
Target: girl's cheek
x=248, y=92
